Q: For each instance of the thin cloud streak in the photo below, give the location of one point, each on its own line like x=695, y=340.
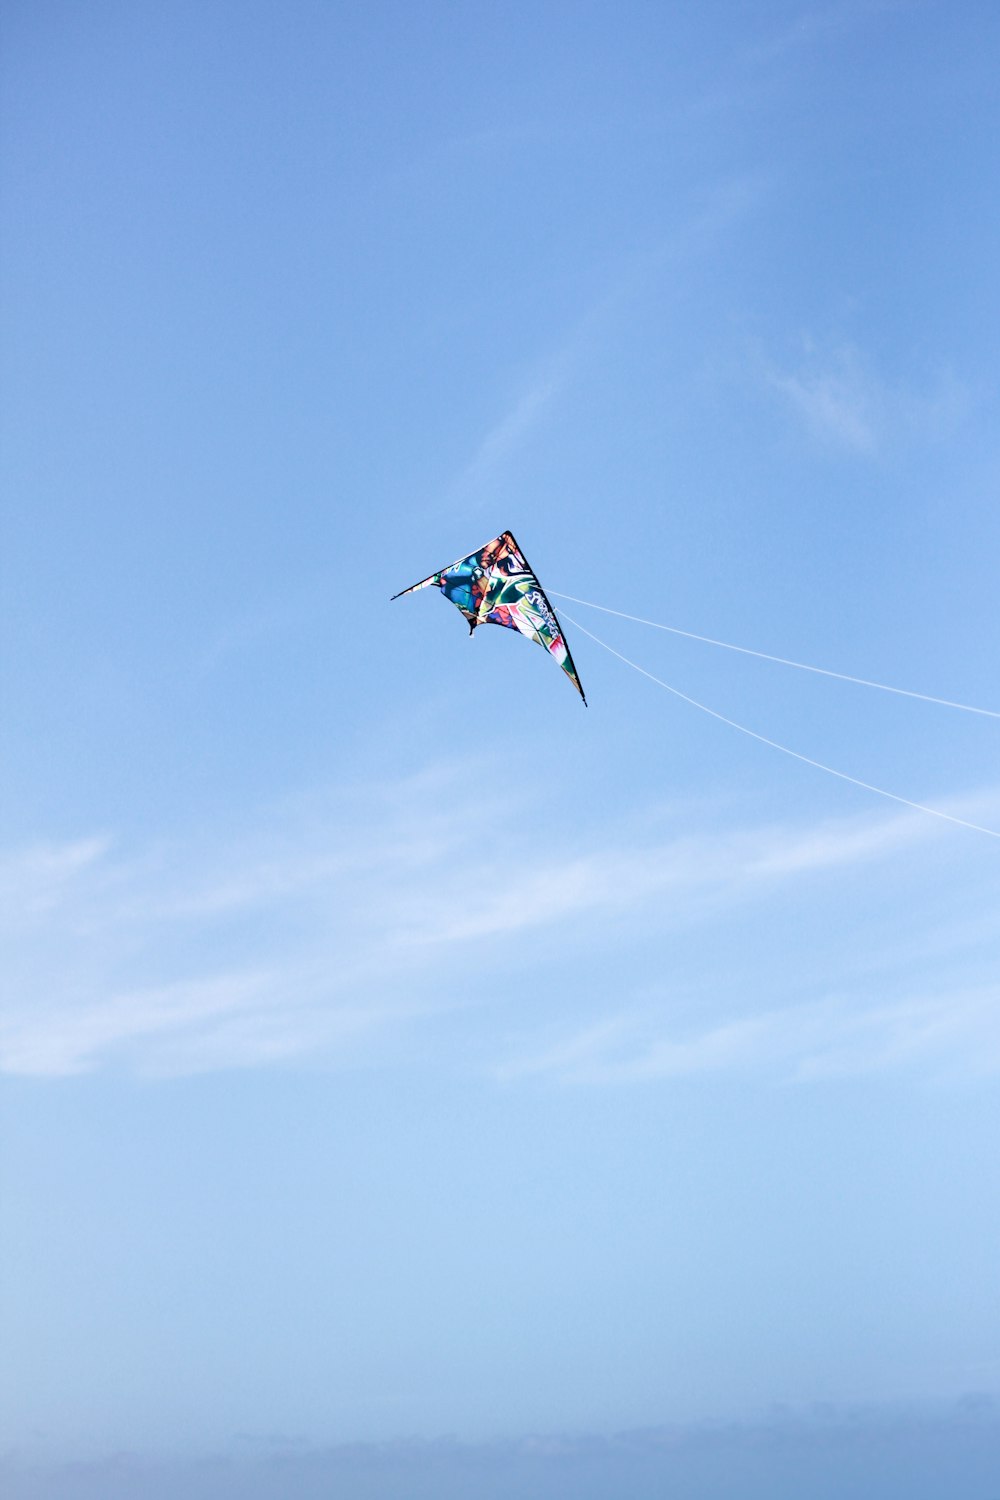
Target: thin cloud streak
x=706, y=868
x=318, y=931
x=722, y=206
x=512, y=430
x=510, y=433
x=953, y=1032
x=35, y=879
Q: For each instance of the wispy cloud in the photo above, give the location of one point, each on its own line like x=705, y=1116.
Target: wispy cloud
x=706, y=868
x=328, y=923
x=835, y=405
x=37, y=878
x=953, y=1031
x=70, y=1039
x=842, y=400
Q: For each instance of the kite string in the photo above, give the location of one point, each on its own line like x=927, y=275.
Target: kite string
x=781, y=660
x=933, y=812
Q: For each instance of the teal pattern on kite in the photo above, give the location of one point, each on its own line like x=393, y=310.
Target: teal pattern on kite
x=496, y=586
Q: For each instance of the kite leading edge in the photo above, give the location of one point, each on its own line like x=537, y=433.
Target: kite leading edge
x=496, y=586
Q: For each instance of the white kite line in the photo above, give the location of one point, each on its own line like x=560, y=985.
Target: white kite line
x=783, y=661
x=933, y=812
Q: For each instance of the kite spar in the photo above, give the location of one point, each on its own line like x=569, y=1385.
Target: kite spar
x=497, y=586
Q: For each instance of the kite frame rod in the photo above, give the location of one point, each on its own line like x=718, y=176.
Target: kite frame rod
x=555, y=617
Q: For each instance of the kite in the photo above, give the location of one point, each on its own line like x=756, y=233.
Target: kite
x=496, y=586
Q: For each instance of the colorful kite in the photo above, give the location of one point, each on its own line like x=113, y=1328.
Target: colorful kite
x=495, y=586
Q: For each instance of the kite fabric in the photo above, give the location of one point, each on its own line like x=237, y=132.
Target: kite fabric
x=496, y=586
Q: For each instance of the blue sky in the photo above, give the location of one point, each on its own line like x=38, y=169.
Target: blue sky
x=391, y=1047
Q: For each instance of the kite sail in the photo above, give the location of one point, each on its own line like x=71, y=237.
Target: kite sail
x=496, y=586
